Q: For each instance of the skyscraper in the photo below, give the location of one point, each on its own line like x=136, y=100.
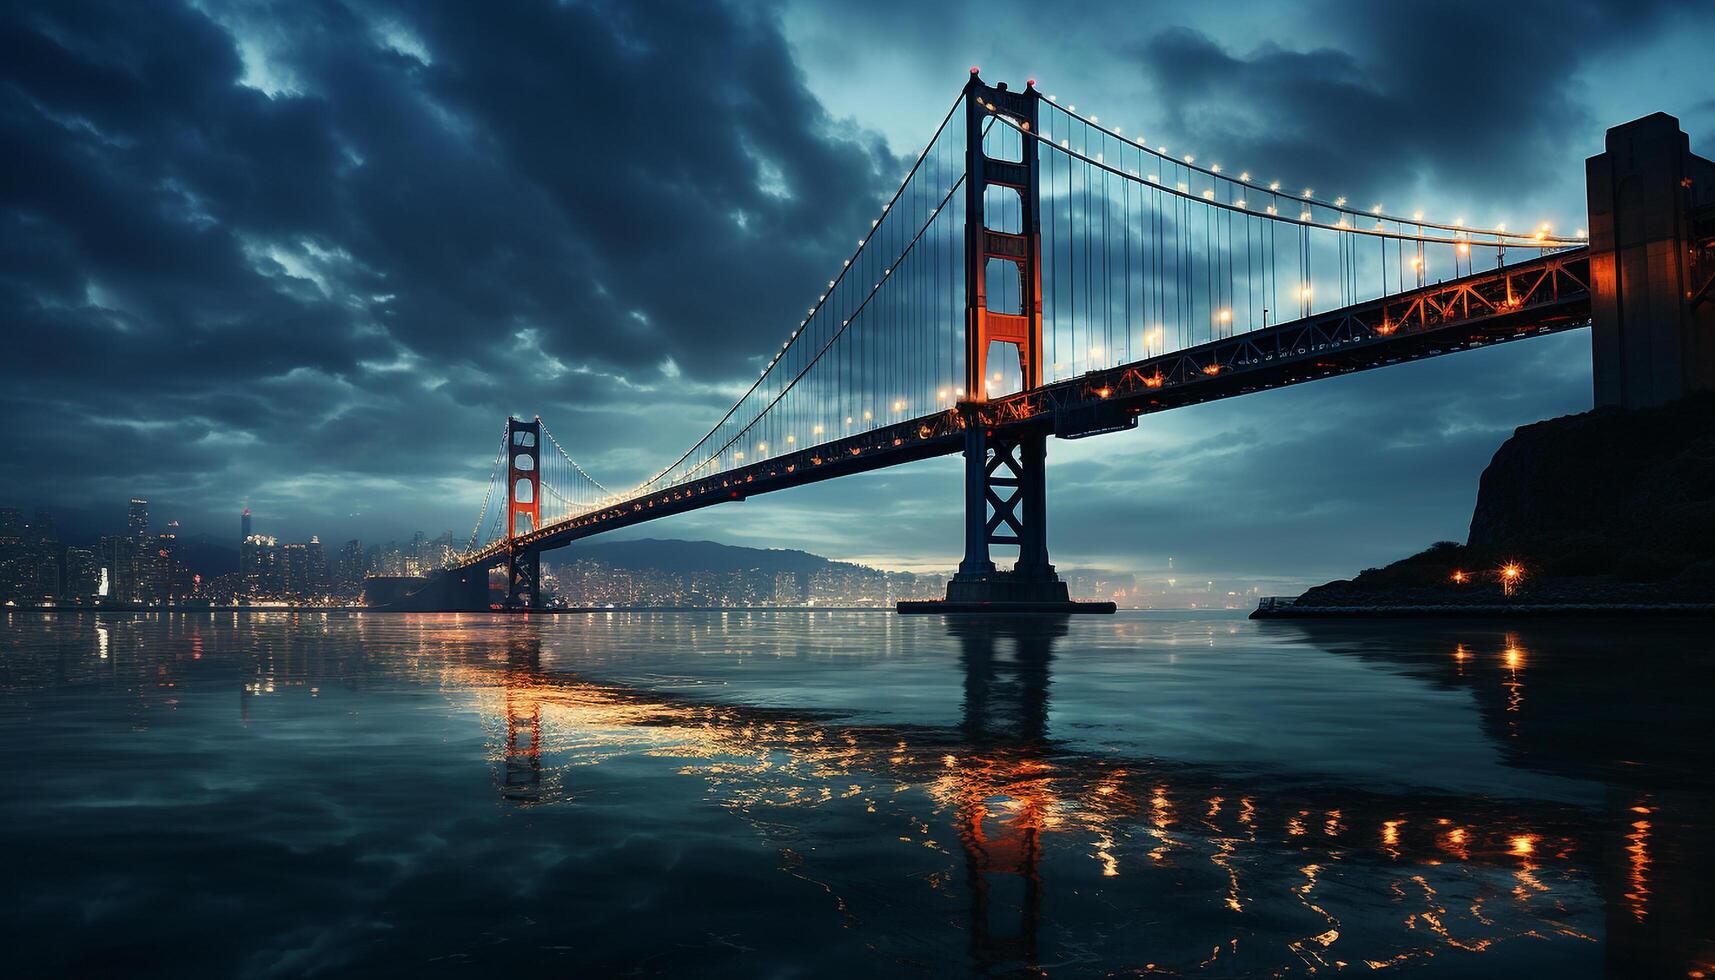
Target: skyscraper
x=83, y=574
x=244, y=526
x=137, y=518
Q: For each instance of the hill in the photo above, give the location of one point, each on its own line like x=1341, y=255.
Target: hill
x=684, y=557
x=1609, y=506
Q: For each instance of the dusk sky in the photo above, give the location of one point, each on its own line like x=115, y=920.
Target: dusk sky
x=308, y=256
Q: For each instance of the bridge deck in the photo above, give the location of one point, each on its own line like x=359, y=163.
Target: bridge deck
x=1526, y=299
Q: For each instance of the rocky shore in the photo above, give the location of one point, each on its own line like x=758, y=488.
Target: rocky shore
x=1602, y=512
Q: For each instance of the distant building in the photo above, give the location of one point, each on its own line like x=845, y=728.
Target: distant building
x=295, y=560
x=260, y=567
x=316, y=572
x=82, y=575
x=137, y=518
x=351, y=566
x=788, y=589
x=244, y=525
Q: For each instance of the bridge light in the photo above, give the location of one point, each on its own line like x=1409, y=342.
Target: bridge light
x=1307, y=192
x=1190, y=159
x=1304, y=216
x=1339, y=202
x=1104, y=392
x=762, y=447
x=1271, y=210
x=958, y=392
x=1209, y=194
x=1582, y=233
x=1184, y=186
x=867, y=415
x=1501, y=227
x=1416, y=262
x=1458, y=222
x=1464, y=248
x=899, y=406
x=941, y=395
x=848, y=420
x=1274, y=185
x=1376, y=210
x=816, y=429
x=1226, y=316
x=1245, y=175
x=1304, y=293
x=1240, y=202
x=1095, y=352
x=1417, y=215
x=738, y=455
x=1216, y=168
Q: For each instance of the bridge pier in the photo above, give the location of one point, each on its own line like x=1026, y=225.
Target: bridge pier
x=1006, y=503
x=1652, y=265
x=523, y=580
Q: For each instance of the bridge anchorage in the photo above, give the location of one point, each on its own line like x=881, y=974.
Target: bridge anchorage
x=1115, y=280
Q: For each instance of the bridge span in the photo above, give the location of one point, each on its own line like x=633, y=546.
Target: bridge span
x=1116, y=280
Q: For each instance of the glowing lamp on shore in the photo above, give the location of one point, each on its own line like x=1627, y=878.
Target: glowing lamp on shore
x=1459, y=577
x=1511, y=575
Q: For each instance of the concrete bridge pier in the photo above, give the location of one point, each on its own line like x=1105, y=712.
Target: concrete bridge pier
x=1652, y=220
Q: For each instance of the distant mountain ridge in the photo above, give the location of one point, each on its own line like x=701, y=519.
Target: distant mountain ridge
x=680, y=556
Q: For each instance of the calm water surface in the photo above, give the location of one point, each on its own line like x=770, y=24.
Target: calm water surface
x=797, y=794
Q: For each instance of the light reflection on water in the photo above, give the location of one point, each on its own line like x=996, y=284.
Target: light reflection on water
x=836, y=793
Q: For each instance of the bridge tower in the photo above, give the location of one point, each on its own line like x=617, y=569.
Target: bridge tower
x=1652, y=265
x=523, y=512
x=1005, y=490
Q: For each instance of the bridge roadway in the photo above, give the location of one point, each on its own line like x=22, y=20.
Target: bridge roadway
x=1525, y=299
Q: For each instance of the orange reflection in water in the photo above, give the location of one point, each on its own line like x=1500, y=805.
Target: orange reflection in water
x=1005, y=803
x=1638, y=859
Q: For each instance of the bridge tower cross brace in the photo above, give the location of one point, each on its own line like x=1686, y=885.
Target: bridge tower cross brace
x=1005, y=492
x=523, y=512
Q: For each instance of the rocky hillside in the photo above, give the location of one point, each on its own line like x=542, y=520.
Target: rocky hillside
x=1606, y=506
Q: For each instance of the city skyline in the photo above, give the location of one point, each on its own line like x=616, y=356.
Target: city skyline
x=145, y=566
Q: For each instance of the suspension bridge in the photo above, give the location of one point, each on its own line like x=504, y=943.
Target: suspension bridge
x=1038, y=273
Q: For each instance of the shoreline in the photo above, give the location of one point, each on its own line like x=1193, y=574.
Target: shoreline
x=1495, y=611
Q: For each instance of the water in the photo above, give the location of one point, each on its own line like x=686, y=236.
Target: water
x=796, y=794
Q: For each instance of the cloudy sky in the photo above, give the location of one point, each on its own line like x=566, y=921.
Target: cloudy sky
x=308, y=255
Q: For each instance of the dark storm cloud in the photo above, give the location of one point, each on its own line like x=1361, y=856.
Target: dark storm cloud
x=248, y=247
x=1473, y=96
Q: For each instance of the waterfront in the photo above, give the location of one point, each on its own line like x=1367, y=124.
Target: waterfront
x=769, y=794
